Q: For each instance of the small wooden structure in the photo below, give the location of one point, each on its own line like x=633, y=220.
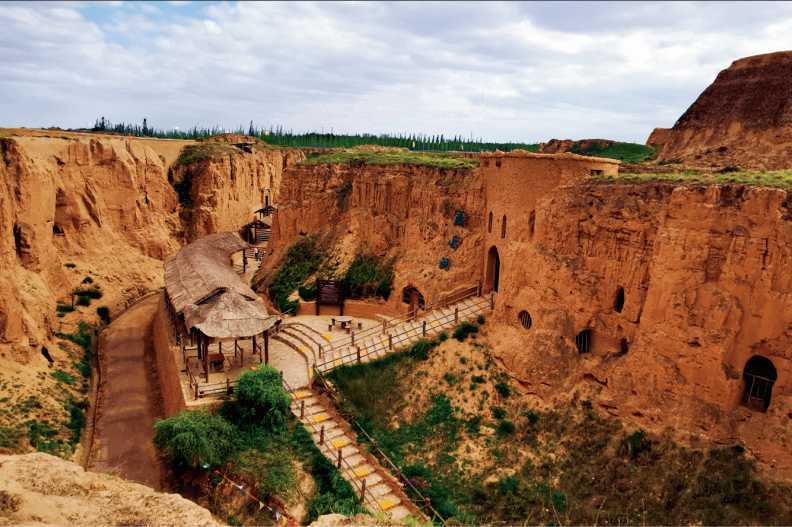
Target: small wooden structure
x=329, y=292
x=256, y=231
x=211, y=302
x=265, y=212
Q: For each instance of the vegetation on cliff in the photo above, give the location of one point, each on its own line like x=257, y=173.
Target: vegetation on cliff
x=447, y=160
x=723, y=176
x=627, y=152
x=369, y=275
x=484, y=455
x=255, y=452
x=306, y=256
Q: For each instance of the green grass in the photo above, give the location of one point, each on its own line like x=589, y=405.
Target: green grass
x=306, y=256
x=369, y=275
x=64, y=377
x=583, y=470
x=627, y=152
x=431, y=158
x=64, y=308
x=204, y=150
x=779, y=179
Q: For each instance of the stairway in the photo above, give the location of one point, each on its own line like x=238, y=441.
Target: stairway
x=382, y=492
x=375, y=345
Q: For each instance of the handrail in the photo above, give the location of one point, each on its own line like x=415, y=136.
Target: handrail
x=391, y=463
x=348, y=469
x=416, y=313
x=342, y=357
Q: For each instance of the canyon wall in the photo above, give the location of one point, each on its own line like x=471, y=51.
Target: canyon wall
x=404, y=210
x=227, y=189
x=743, y=118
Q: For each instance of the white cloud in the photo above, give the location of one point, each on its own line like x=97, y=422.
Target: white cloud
x=502, y=71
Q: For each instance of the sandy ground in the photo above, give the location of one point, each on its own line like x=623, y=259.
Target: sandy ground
x=132, y=402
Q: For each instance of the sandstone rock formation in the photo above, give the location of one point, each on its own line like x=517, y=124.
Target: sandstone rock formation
x=743, y=118
x=39, y=489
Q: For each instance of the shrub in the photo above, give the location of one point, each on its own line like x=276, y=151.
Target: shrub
x=463, y=330
x=303, y=258
x=369, y=275
x=90, y=293
x=505, y=428
x=443, y=336
x=195, y=437
x=498, y=413
x=64, y=308
x=261, y=395
x=84, y=338
x=480, y=320
x=307, y=293
x=503, y=389
x=272, y=468
x=103, y=312
x=420, y=349
x=63, y=377
x=478, y=378
x=83, y=301
x=87, y=280
x=532, y=417
x=508, y=484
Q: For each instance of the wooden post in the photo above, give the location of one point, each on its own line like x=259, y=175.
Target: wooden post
x=353, y=336
x=339, y=459
x=492, y=301
x=206, y=357
x=228, y=386
x=456, y=315
x=383, y=327
x=424, y=328
x=196, y=390
x=266, y=347
x=413, y=304
x=358, y=352
x=320, y=351
x=321, y=435
x=363, y=492
x=400, y=474
x=302, y=409
x=390, y=342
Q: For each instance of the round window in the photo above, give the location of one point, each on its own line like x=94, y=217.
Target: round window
x=525, y=319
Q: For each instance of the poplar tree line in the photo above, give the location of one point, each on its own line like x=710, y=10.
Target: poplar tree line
x=276, y=135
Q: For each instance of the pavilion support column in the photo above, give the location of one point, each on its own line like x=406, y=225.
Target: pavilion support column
x=206, y=357
x=266, y=348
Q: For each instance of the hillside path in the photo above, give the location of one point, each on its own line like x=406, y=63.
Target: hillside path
x=132, y=402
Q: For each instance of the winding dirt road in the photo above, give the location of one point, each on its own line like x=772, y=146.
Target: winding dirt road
x=132, y=401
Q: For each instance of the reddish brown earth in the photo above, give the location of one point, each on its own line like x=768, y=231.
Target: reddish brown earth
x=130, y=399
x=559, y=146
x=743, y=118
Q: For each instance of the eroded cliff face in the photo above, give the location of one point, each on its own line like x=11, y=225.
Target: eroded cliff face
x=102, y=204
x=743, y=118
x=404, y=210
x=227, y=189
x=705, y=277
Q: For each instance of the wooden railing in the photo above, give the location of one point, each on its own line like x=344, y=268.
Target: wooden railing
x=411, y=315
x=443, y=320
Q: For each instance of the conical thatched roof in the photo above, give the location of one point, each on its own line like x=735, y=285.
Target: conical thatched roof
x=203, y=286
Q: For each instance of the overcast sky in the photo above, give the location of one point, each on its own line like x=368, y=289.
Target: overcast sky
x=523, y=72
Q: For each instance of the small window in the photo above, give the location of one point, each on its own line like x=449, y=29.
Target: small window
x=498, y=161
x=596, y=172
x=503, y=227
x=489, y=229
x=618, y=304
x=624, y=347
x=525, y=319
x=583, y=341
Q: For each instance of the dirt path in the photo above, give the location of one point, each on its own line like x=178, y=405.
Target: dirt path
x=132, y=402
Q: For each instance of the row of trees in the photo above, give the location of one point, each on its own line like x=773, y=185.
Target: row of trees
x=276, y=135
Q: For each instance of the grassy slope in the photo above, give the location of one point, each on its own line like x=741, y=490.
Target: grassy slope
x=437, y=159
x=781, y=179
x=562, y=465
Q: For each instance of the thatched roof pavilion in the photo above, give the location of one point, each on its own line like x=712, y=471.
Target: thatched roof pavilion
x=210, y=297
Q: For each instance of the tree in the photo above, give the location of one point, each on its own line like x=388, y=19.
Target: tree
x=251, y=130
x=262, y=398
x=145, y=127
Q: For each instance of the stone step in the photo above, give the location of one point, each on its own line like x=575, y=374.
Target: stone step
x=398, y=513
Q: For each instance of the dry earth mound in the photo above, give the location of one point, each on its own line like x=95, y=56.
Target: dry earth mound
x=559, y=146
x=744, y=118
x=39, y=489
x=234, y=138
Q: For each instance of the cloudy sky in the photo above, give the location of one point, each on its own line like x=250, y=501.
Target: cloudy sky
x=523, y=72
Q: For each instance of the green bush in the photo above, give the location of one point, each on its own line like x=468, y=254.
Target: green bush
x=262, y=398
x=503, y=389
x=83, y=338
x=63, y=377
x=90, y=293
x=70, y=265
x=443, y=336
x=478, y=378
x=103, y=312
x=195, y=437
x=304, y=257
x=83, y=301
x=87, y=280
x=64, y=308
x=480, y=320
x=498, y=413
x=307, y=293
x=508, y=484
x=369, y=275
x=463, y=330
x=505, y=427
x=272, y=469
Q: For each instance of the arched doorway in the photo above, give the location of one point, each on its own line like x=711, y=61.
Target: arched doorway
x=493, y=269
x=759, y=375
x=412, y=296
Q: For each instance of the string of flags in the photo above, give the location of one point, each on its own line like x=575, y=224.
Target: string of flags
x=278, y=516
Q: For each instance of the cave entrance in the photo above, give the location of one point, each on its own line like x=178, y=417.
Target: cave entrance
x=583, y=341
x=759, y=375
x=413, y=297
x=493, y=269
x=618, y=303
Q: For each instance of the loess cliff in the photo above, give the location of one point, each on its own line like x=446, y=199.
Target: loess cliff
x=743, y=118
